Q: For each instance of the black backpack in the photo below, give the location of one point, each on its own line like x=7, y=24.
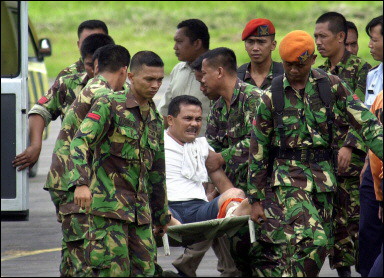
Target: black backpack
x=325, y=93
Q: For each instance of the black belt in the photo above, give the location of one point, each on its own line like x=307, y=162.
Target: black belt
x=305, y=155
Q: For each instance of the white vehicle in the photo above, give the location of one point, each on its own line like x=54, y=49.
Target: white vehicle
x=14, y=105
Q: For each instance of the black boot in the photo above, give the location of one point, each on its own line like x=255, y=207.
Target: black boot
x=344, y=271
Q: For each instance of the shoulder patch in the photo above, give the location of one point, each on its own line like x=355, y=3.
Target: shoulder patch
x=355, y=97
x=42, y=100
x=93, y=116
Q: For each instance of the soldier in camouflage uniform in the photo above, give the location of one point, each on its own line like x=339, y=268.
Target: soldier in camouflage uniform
x=123, y=185
x=330, y=35
x=303, y=178
x=74, y=220
x=85, y=29
x=259, y=39
x=56, y=104
x=228, y=132
x=36, y=124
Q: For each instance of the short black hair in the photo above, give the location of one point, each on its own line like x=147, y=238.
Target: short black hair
x=93, y=42
x=351, y=25
x=92, y=24
x=148, y=58
x=337, y=23
x=112, y=58
x=196, y=29
x=174, y=105
x=222, y=57
x=196, y=65
x=373, y=23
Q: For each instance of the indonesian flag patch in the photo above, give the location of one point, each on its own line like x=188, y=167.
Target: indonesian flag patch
x=355, y=97
x=254, y=122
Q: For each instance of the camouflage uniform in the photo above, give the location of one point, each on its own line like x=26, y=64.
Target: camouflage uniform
x=304, y=188
x=59, y=97
x=73, y=218
x=127, y=181
x=353, y=71
x=228, y=132
x=77, y=67
x=267, y=81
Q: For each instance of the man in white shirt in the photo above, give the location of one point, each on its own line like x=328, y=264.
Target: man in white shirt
x=185, y=156
x=191, y=40
x=375, y=76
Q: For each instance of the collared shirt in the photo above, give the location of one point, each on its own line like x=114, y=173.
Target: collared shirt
x=352, y=70
x=57, y=178
x=183, y=82
x=267, y=81
x=374, y=84
x=228, y=131
x=305, y=127
x=59, y=97
x=127, y=173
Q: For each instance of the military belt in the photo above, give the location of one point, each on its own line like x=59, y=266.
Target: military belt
x=306, y=155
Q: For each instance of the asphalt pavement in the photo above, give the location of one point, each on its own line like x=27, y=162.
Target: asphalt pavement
x=32, y=248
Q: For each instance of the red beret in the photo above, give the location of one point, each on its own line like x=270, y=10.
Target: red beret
x=258, y=27
x=296, y=46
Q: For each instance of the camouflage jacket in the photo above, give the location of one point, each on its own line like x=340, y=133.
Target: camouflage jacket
x=267, y=81
x=228, y=132
x=127, y=173
x=57, y=178
x=77, y=67
x=352, y=70
x=305, y=128
x=59, y=97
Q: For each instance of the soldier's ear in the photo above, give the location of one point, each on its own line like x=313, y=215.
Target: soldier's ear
x=130, y=76
x=341, y=37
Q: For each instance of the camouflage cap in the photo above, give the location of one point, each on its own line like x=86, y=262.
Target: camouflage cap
x=258, y=27
x=296, y=46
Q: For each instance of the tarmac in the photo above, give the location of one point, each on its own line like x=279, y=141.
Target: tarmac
x=32, y=248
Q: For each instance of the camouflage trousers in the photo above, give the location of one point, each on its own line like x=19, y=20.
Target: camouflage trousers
x=346, y=213
x=115, y=248
x=268, y=256
x=74, y=225
x=310, y=216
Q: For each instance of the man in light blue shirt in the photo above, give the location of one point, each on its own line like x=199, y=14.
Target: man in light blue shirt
x=375, y=76
x=370, y=226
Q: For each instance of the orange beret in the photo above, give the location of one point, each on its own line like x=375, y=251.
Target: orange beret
x=258, y=27
x=296, y=46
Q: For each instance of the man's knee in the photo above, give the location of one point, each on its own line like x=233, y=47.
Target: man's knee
x=234, y=193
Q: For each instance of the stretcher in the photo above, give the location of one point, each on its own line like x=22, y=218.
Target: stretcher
x=187, y=234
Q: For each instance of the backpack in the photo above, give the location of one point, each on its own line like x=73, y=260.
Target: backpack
x=325, y=93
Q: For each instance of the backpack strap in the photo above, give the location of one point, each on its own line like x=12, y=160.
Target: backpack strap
x=277, y=69
x=241, y=71
x=325, y=93
x=277, y=89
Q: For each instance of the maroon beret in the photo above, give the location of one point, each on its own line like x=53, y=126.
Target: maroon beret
x=258, y=27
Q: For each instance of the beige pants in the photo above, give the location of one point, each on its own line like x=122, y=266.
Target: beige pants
x=193, y=254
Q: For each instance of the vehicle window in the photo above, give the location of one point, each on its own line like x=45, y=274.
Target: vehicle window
x=31, y=46
x=10, y=62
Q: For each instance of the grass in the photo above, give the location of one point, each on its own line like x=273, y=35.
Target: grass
x=150, y=25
